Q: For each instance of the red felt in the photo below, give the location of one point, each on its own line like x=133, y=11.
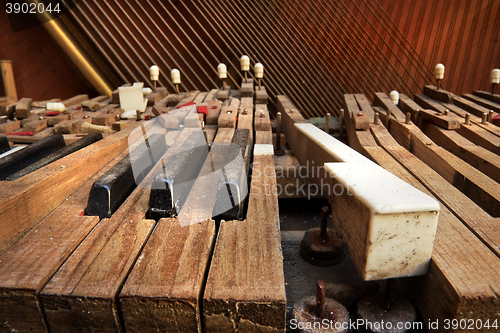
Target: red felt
x=21, y=133
x=187, y=104
x=497, y=116
x=203, y=109
x=78, y=107
x=53, y=113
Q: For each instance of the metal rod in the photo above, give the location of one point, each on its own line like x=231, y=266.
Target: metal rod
x=327, y=123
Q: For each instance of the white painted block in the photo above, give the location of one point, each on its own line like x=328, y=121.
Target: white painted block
x=131, y=98
x=402, y=220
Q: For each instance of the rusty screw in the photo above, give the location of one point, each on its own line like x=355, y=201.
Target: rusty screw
x=320, y=298
x=324, y=222
x=390, y=287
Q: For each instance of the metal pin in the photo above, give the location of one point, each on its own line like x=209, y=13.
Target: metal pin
x=446, y=112
x=376, y=118
x=327, y=123
x=341, y=124
x=245, y=112
x=138, y=114
x=408, y=118
x=278, y=131
x=467, y=119
x=261, y=113
x=483, y=118
x=490, y=116
x=292, y=110
x=320, y=298
x=390, y=287
x=117, y=117
x=324, y=222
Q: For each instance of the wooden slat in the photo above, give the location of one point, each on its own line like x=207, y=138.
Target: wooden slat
x=155, y=97
x=359, y=118
x=227, y=117
x=440, y=95
x=98, y=268
x=10, y=126
x=28, y=265
x=200, y=98
x=9, y=83
x=163, y=288
x=26, y=201
x=214, y=108
x=474, y=184
x=483, y=102
x=489, y=96
x=262, y=120
x=382, y=100
x=439, y=119
x=481, y=137
x=23, y=108
x=406, y=104
x=261, y=96
x=480, y=158
x=245, y=289
x=471, y=107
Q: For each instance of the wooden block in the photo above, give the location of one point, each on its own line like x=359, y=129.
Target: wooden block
x=359, y=118
x=107, y=117
x=245, y=116
x=440, y=95
x=89, y=302
x=262, y=121
x=234, y=102
x=9, y=83
x=406, y=104
x=200, y=98
x=481, y=137
x=227, y=117
x=155, y=97
x=168, y=277
x=35, y=126
x=261, y=95
x=120, y=125
x=486, y=95
x=223, y=94
x=471, y=107
x=90, y=105
x=246, y=89
x=23, y=108
x=210, y=131
x=10, y=126
x=253, y=294
x=264, y=137
x=71, y=126
x=212, y=94
x=56, y=181
x=480, y=158
x=75, y=100
x=382, y=100
x=438, y=119
x=489, y=105
x=214, y=108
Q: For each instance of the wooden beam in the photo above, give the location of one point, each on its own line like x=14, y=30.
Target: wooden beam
x=26, y=201
x=155, y=97
x=406, y=104
x=481, y=137
x=438, y=119
x=473, y=183
x=440, y=95
x=489, y=96
x=28, y=265
x=245, y=289
x=9, y=83
x=163, y=288
x=75, y=100
x=382, y=100
x=480, y=158
x=227, y=117
x=23, y=108
x=359, y=118
x=471, y=107
x=489, y=105
x=214, y=107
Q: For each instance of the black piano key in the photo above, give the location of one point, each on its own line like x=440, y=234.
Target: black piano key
x=173, y=182
x=232, y=189
x=77, y=145
x=112, y=188
x=4, y=144
x=21, y=159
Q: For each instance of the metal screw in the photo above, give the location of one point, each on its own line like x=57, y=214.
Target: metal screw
x=376, y=118
x=320, y=298
x=467, y=119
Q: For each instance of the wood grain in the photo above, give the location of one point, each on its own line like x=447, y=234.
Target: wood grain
x=163, y=289
x=245, y=289
x=382, y=100
x=26, y=201
x=439, y=119
x=227, y=117
x=262, y=120
x=23, y=108
x=480, y=158
x=359, y=118
x=440, y=95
